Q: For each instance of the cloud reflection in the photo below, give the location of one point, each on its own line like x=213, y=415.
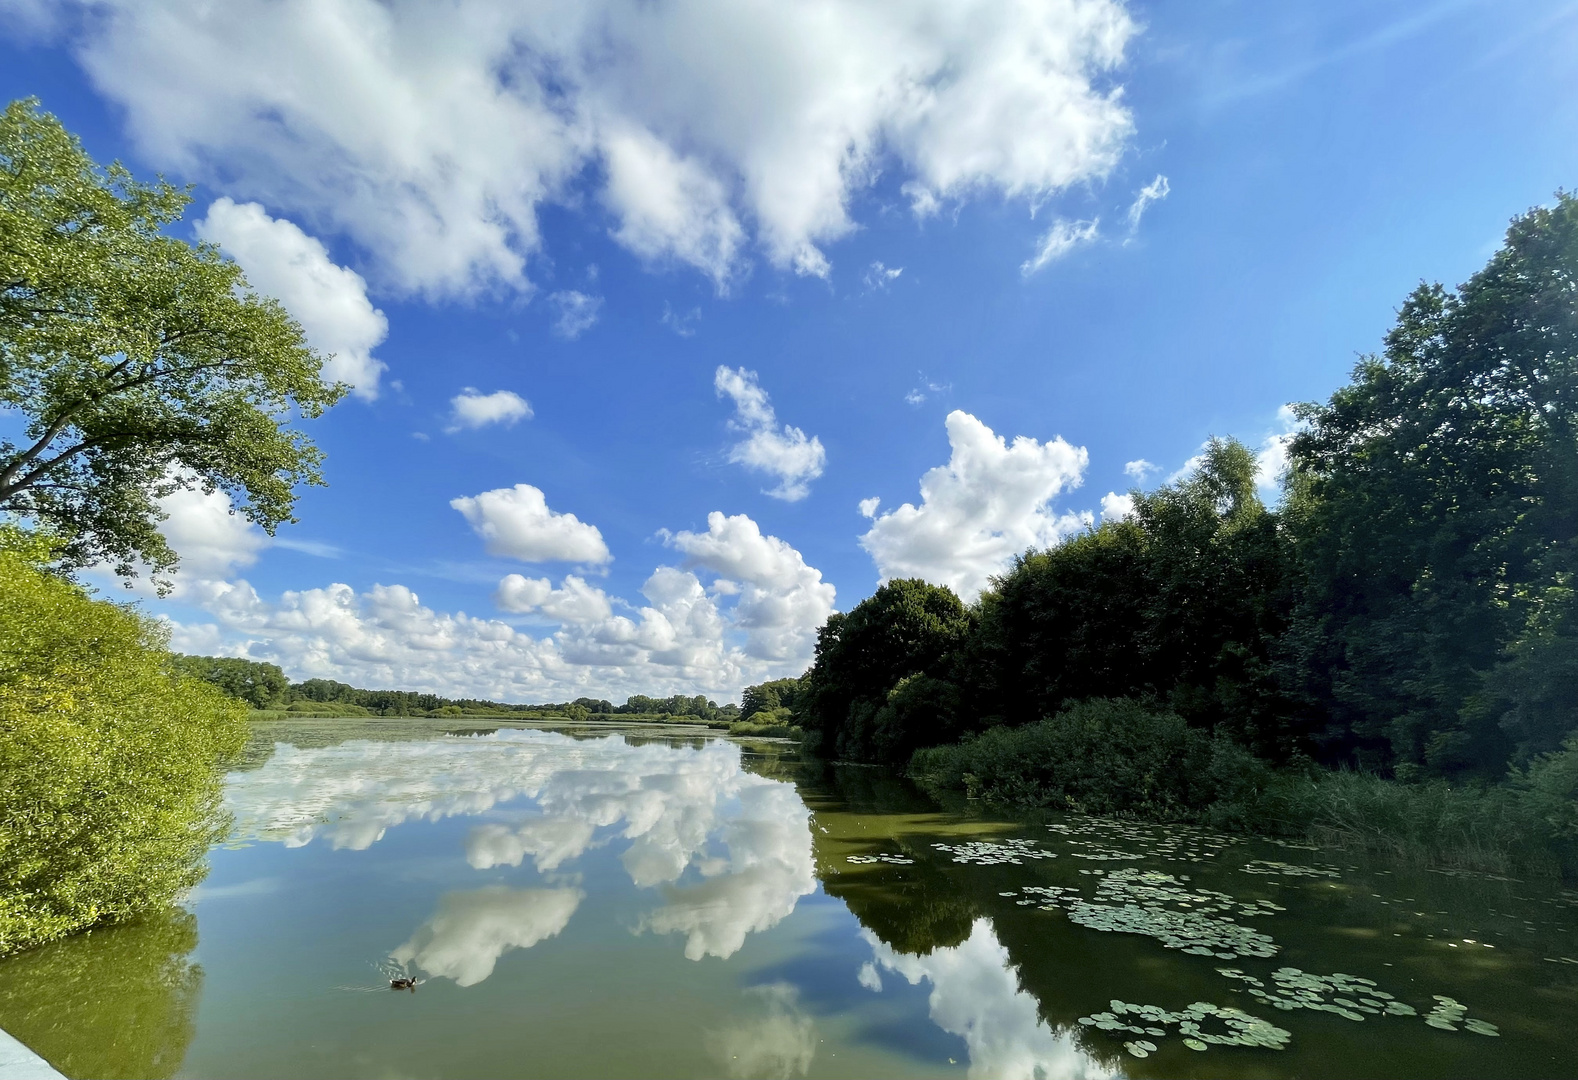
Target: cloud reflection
x=471, y=930
x=777, y=1041
x=731, y=850
x=976, y=995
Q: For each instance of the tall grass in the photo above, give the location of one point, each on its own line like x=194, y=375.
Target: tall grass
x=1119, y=757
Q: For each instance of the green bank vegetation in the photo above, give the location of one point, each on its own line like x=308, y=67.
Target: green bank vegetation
x=1388, y=657
x=109, y=792
x=135, y=364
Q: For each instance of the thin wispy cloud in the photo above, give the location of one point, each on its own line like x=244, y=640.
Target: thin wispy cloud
x=574, y=313
x=1063, y=237
x=1155, y=191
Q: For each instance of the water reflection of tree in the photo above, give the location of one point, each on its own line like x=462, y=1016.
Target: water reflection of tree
x=116, y=1002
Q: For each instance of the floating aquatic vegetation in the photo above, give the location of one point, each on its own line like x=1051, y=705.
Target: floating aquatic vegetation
x=1282, y=869
x=1352, y=998
x=1160, y=906
x=987, y=853
x=896, y=860
x=1177, y=842
x=1202, y=1024
x=1344, y=995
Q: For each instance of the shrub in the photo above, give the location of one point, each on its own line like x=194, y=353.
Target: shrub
x=1099, y=756
x=109, y=791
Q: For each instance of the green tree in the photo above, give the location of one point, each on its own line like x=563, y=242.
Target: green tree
x=141, y=364
x=109, y=790
x=907, y=627
x=260, y=685
x=1434, y=501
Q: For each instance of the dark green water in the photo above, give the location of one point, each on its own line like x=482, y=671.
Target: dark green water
x=597, y=904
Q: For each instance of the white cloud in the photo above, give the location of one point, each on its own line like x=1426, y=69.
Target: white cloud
x=1115, y=507
x=212, y=540
x=574, y=313
x=1155, y=191
x=782, y=601
x=868, y=507
x=1139, y=469
x=756, y=620
x=976, y=995
x=787, y=454
x=431, y=136
x=516, y=523
x=879, y=277
x=330, y=302
x=918, y=394
x=573, y=602
x=682, y=324
x=991, y=502
x=1064, y=236
x=1271, y=460
x=471, y=408
x=671, y=207
x=471, y=930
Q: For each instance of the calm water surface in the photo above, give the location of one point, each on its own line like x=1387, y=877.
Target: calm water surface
x=592, y=903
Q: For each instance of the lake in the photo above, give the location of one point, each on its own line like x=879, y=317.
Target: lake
x=652, y=902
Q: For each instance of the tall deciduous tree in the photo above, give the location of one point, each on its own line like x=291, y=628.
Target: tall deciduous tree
x=141, y=363
x=1435, y=505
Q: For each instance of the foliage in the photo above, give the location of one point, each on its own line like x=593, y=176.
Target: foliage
x=1184, y=601
x=141, y=364
x=906, y=628
x=769, y=696
x=1435, y=511
x=1101, y=756
x=260, y=685
x=1410, y=609
x=109, y=791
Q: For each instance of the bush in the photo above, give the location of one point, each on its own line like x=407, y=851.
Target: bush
x=109, y=791
x=1101, y=756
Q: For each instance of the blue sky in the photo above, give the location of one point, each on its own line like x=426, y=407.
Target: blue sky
x=599, y=208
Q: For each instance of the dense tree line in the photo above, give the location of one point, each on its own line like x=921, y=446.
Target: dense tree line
x=265, y=686
x=1408, y=608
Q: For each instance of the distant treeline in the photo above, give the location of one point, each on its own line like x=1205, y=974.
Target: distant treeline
x=1409, y=610
x=265, y=686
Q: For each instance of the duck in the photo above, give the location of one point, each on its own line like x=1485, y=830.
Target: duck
x=405, y=982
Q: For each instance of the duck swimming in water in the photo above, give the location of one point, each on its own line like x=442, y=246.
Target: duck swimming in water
x=405, y=982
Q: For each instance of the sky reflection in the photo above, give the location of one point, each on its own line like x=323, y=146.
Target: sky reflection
x=730, y=850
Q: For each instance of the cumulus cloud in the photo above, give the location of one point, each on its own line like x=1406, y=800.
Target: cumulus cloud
x=574, y=313
x=471, y=930
x=868, y=507
x=781, y=601
x=212, y=540
x=471, y=408
x=975, y=994
x=572, y=602
x=329, y=301
x=516, y=523
x=1155, y=191
x=1271, y=460
x=992, y=501
x=1116, y=507
x=1063, y=237
x=788, y=454
x=756, y=619
x=432, y=136
x=1139, y=469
